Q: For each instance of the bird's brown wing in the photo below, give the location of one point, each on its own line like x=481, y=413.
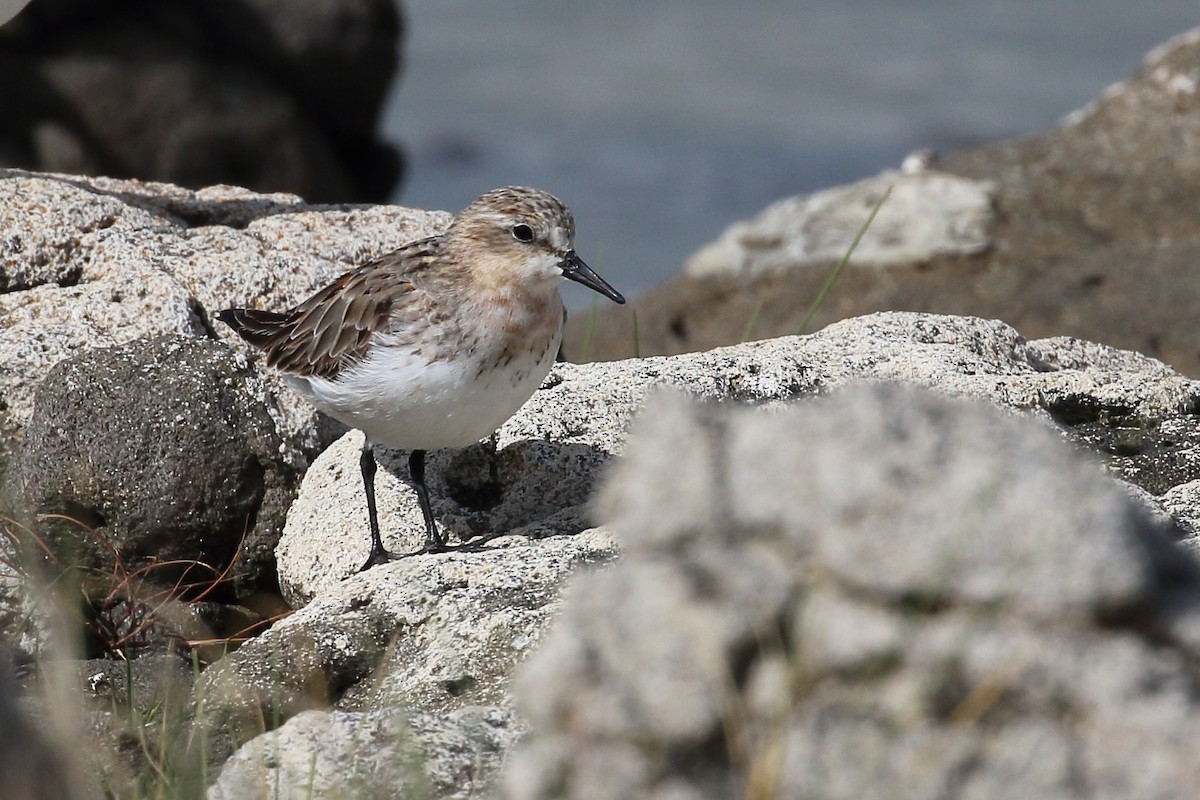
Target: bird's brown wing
x=333, y=328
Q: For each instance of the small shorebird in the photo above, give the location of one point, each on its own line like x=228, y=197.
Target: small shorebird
x=435, y=344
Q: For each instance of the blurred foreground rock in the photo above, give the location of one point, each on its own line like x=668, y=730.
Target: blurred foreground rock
x=32, y=765
x=880, y=594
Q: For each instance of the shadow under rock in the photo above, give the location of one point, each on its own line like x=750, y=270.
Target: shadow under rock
x=534, y=488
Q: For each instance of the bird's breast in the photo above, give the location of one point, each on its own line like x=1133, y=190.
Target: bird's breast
x=448, y=390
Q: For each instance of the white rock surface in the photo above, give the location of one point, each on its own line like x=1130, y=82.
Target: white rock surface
x=553, y=449
x=41, y=326
x=434, y=633
x=323, y=755
x=928, y=214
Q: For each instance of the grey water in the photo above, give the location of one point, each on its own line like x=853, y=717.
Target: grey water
x=660, y=122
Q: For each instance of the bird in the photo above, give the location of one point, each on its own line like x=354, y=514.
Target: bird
x=435, y=344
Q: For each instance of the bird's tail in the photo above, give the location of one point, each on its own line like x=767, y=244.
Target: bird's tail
x=255, y=326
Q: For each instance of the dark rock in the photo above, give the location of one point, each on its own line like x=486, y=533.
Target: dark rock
x=159, y=454
x=265, y=94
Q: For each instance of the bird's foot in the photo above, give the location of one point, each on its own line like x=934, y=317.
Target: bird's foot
x=378, y=556
x=432, y=546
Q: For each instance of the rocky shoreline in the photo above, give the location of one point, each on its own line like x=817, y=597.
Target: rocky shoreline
x=1087, y=230
x=911, y=554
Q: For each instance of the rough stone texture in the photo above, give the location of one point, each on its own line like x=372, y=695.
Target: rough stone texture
x=95, y=262
x=163, y=454
x=541, y=489
x=386, y=753
x=1133, y=409
x=1183, y=503
x=433, y=633
x=46, y=324
x=927, y=214
x=43, y=223
x=1093, y=234
x=269, y=94
x=917, y=598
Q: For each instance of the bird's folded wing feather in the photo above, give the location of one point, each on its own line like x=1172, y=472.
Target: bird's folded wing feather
x=333, y=328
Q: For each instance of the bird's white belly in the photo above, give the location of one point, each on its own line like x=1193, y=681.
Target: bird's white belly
x=400, y=400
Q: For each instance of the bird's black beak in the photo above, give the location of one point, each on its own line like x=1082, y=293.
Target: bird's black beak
x=574, y=269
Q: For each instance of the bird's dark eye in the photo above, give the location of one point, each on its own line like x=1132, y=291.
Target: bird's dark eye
x=522, y=233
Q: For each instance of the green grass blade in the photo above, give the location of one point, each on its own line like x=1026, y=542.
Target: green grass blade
x=758, y=307
x=833, y=275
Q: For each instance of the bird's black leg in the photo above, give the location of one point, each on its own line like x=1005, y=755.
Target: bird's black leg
x=366, y=463
x=434, y=543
